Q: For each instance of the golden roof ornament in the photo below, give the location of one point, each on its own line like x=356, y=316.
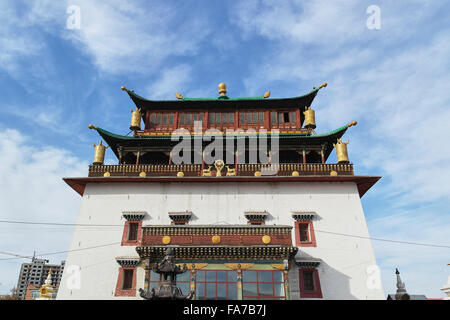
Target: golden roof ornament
x=353, y=123
x=178, y=95
x=219, y=164
x=310, y=118
x=341, y=151
x=222, y=89
x=99, y=154
x=323, y=85
x=46, y=290
x=135, y=120
x=267, y=94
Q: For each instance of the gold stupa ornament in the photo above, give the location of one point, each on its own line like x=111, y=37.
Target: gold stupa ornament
x=341, y=151
x=310, y=118
x=222, y=89
x=99, y=154
x=135, y=120
x=46, y=290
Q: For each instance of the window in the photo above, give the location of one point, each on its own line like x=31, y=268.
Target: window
x=263, y=285
x=304, y=234
x=282, y=117
x=223, y=118
x=161, y=119
x=216, y=285
x=303, y=230
x=310, y=284
x=132, y=231
x=127, y=279
x=308, y=281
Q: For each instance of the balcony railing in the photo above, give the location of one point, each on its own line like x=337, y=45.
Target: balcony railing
x=195, y=170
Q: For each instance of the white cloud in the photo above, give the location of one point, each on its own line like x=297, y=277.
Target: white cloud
x=171, y=80
x=32, y=189
x=127, y=38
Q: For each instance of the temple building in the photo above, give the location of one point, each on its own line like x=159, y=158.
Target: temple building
x=239, y=188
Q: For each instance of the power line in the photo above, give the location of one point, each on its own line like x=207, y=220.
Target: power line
x=329, y=232
x=386, y=240
x=53, y=253
x=61, y=224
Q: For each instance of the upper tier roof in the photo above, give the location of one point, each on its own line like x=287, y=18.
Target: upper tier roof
x=224, y=101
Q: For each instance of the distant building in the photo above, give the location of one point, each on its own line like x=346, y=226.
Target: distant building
x=401, y=291
x=33, y=275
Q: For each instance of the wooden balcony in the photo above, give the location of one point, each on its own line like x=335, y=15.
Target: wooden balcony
x=195, y=170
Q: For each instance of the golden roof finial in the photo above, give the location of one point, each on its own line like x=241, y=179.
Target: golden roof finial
x=222, y=89
x=353, y=123
x=267, y=94
x=323, y=85
x=124, y=88
x=92, y=127
x=178, y=95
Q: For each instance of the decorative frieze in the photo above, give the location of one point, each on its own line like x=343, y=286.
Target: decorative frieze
x=134, y=215
x=256, y=216
x=304, y=215
x=307, y=262
x=128, y=262
x=155, y=253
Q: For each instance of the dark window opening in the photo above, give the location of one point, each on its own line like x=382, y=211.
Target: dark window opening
x=127, y=279
x=308, y=281
x=303, y=230
x=132, y=231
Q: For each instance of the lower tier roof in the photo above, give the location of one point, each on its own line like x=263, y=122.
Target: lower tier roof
x=285, y=139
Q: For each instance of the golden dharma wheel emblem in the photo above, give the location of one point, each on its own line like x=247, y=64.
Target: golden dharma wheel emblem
x=266, y=239
x=257, y=173
x=142, y=174
x=333, y=173
x=107, y=174
x=215, y=239
x=295, y=173
x=180, y=174
x=166, y=240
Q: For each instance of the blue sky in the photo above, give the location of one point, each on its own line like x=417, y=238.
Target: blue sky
x=394, y=81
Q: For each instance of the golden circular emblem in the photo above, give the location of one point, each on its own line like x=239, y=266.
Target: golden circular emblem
x=266, y=239
x=215, y=239
x=257, y=173
x=333, y=173
x=180, y=174
x=295, y=173
x=166, y=240
x=142, y=174
x=107, y=174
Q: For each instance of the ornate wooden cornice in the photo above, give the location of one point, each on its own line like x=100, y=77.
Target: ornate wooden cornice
x=134, y=215
x=304, y=215
x=219, y=253
x=215, y=229
x=130, y=262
